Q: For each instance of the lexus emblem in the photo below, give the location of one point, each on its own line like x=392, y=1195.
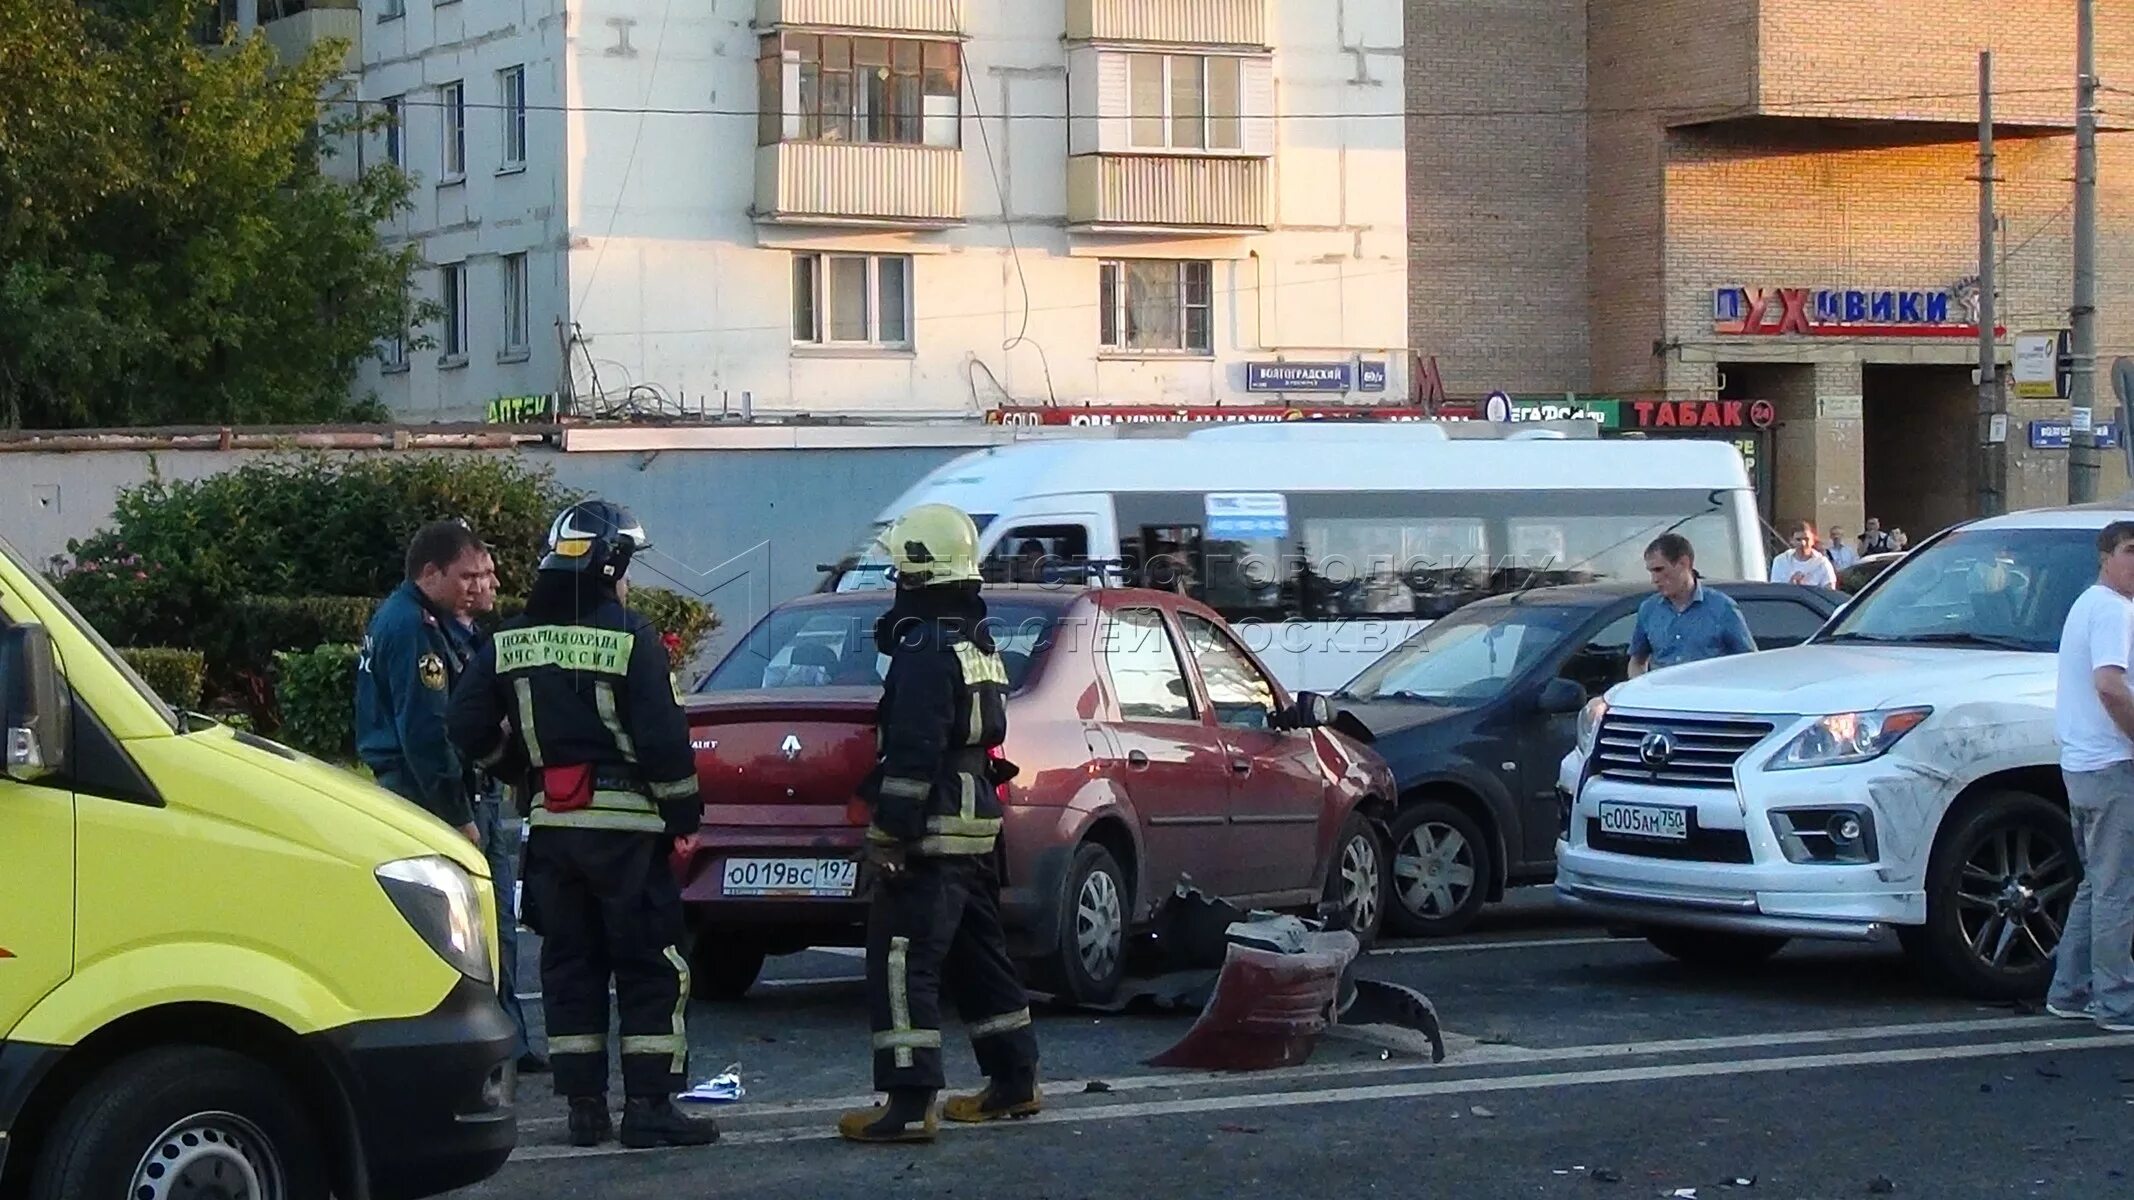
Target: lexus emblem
x=790, y=747
x=1656, y=749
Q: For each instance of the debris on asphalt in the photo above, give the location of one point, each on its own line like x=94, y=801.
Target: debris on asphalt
x=1742, y=1181
x=1494, y=1039
x=2051, y=1071
x=1096, y=1086
x=723, y=1088
x=1985, y=1087
x=1607, y=1175
x=1684, y=1194
x=1482, y=1112
x=1228, y=1127
x=1881, y=1185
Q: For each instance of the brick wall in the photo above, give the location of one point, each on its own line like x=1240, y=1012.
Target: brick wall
x=1497, y=204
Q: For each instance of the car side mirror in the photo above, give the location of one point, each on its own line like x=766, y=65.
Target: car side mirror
x=1561, y=696
x=33, y=706
x=1311, y=711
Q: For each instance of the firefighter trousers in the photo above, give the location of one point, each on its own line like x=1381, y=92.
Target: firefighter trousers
x=936, y=926
x=606, y=906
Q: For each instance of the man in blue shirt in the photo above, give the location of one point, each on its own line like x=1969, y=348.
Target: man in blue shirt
x=1684, y=621
x=412, y=653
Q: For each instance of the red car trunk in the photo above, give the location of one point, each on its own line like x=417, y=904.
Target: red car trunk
x=784, y=759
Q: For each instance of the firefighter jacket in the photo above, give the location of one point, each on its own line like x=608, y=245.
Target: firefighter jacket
x=942, y=715
x=588, y=714
x=412, y=654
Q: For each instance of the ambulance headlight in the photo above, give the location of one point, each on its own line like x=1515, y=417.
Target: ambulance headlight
x=438, y=899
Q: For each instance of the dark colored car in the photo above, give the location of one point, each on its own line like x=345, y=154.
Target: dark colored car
x=1475, y=713
x=1153, y=746
x=1863, y=571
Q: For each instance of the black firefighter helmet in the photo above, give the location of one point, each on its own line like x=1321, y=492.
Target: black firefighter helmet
x=594, y=536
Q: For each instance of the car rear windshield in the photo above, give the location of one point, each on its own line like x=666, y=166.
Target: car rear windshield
x=1990, y=588
x=833, y=646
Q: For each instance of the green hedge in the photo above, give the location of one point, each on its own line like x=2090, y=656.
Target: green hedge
x=176, y=675
x=316, y=693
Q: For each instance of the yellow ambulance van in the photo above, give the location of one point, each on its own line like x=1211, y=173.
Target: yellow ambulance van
x=226, y=969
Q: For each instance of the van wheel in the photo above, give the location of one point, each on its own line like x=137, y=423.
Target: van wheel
x=1998, y=891
x=183, y=1121
x=723, y=968
x=1356, y=879
x=1718, y=951
x=1088, y=964
x=1441, y=871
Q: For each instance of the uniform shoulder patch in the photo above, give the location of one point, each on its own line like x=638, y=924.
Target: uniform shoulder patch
x=432, y=672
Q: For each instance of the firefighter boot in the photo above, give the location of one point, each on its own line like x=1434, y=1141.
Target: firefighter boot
x=1009, y=1095
x=590, y=1123
x=894, y=1121
x=649, y=1121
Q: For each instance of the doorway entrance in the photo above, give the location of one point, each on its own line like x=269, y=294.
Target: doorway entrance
x=1916, y=446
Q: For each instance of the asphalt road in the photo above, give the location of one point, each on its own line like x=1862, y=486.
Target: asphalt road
x=1578, y=1066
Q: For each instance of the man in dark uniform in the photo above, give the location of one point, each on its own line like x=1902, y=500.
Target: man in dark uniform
x=936, y=900
x=574, y=699
x=412, y=654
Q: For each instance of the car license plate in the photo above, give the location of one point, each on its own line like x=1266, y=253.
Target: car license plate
x=1645, y=821
x=822, y=877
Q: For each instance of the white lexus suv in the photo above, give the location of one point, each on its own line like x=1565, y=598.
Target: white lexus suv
x=1897, y=771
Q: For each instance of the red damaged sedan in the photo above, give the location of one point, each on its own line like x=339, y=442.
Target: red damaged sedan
x=1153, y=747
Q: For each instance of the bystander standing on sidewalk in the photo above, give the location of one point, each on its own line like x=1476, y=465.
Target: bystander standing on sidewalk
x=1804, y=565
x=2095, y=729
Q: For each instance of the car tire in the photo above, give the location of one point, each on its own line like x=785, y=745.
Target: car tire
x=1096, y=899
x=723, y=966
x=149, y=1122
x=1714, y=950
x=1356, y=879
x=1442, y=892
x=2042, y=870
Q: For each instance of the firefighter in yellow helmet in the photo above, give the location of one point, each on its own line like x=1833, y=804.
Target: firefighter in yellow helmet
x=936, y=824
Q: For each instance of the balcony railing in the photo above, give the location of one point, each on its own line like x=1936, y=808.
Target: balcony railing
x=895, y=16
x=1169, y=192
x=1183, y=22
x=841, y=183
x=293, y=36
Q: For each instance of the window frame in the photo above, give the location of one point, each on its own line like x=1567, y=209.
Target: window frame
x=1221, y=638
x=452, y=114
x=517, y=308
x=513, y=113
x=452, y=295
x=1114, y=307
x=1170, y=120
x=814, y=87
x=396, y=138
x=1116, y=618
x=1758, y=604
x=815, y=293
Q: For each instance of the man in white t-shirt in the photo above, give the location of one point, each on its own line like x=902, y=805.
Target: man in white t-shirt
x=2094, y=723
x=1802, y=564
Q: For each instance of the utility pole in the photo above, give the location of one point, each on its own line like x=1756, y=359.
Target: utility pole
x=2082, y=390
x=1992, y=458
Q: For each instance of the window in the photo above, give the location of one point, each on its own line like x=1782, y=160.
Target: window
x=1185, y=102
x=1157, y=306
x=852, y=299
x=452, y=103
x=1239, y=693
x=814, y=646
x=393, y=352
x=1776, y=624
x=840, y=88
x=515, y=305
x=1146, y=673
x=391, y=10
x=1038, y=554
x=396, y=151
x=1472, y=656
x=1602, y=663
x=511, y=90
x=453, y=292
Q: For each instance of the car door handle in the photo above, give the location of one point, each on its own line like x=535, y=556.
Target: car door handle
x=1136, y=760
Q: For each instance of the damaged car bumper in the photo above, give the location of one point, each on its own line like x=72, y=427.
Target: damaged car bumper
x=1835, y=852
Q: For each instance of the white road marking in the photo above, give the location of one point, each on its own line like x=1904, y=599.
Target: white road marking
x=768, y=983
x=1458, y=1056
x=1513, y=944
x=1443, y=1087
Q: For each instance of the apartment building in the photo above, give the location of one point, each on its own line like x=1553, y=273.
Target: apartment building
x=1758, y=220
x=893, y=208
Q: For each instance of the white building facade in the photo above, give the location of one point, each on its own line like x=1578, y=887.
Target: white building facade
x=894, y=208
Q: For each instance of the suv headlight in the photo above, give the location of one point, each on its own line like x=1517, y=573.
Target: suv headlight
x=1842, y=738
x=1589, y=723
x=439, y=901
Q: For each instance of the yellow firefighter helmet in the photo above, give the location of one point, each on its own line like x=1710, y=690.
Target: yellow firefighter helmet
x=934, y=544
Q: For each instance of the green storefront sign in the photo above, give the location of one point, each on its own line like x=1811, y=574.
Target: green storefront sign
x=1607, y=412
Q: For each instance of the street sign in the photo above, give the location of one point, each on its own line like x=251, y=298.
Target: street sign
x=2058, y=435
x=1497, y=407
x=2037, y=367
x=1297, y=377
x=1373, y=377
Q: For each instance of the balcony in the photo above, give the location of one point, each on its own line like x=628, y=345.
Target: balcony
x=1175, y=22
x=1168, y=194
x=311, y=23
x=859, y=184
x=939, y=17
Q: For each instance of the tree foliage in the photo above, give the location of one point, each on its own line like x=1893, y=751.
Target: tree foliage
x=171, y=250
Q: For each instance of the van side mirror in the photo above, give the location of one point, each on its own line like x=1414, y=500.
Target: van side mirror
x=1561, y=696
x=33, y=706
